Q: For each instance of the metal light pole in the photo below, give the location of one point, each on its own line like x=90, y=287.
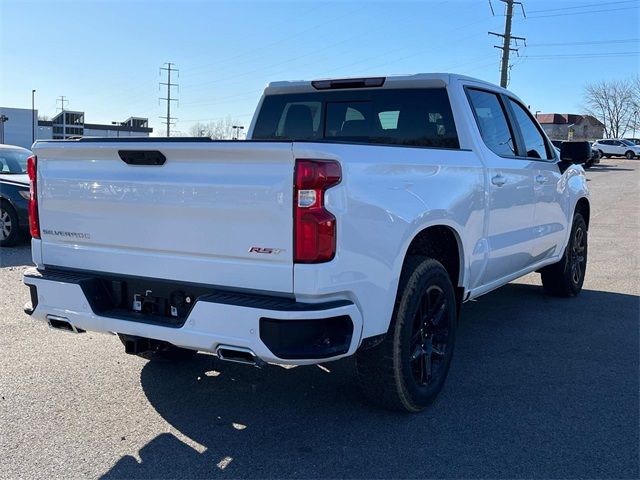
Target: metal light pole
x=3, y=118
x=33, y=113
x=117, y=124
x=237, y=129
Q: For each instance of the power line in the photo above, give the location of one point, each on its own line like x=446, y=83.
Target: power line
x=586, y=55
x=507, y=38
x=597, y=42
x=168, y=118
x=599, y=4
x=583, y=13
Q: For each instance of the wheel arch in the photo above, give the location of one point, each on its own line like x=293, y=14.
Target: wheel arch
x=441, y=242
x=584, y=208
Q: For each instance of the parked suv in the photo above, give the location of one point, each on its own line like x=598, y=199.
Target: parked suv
x=356, y=220
x=617, y=147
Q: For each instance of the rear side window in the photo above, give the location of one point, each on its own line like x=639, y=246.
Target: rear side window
x=534, y=142
x=492, y=122
x=411, y=117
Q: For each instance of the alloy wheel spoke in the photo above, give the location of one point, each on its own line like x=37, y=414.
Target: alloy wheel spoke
x=417, y=352
x=438, y=350
x=428, y=368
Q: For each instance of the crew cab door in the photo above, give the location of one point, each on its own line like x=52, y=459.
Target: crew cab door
x=550, y=218
x=511, y=202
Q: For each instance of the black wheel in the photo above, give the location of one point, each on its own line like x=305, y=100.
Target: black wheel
x=163, y=351
x=600, y=154
x=630, y=155
x=588, y=164
x=408, y=369
x=565, y=278
x=9, y=228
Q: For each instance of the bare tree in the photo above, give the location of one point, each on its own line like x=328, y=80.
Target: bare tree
x=613, y=103
x=218, y=130
x=635, y=119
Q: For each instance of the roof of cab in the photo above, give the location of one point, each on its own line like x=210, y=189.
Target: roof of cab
x=418, y=80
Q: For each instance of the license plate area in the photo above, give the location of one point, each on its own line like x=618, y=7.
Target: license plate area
x=142, y=300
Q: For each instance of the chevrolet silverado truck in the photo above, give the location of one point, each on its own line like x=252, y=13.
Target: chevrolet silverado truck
x=355, y=220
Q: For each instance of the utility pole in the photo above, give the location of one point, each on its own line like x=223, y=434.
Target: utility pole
x=506, y=41
x=168, y=119
x=62, y=99
x=33, y=116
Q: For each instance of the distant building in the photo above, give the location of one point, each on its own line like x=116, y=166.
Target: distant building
x=66, y=124
x=570, y=126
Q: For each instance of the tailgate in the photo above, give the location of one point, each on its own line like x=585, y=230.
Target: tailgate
x=217, y=213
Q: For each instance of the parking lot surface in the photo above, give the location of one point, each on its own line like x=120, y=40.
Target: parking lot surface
x=539, y=388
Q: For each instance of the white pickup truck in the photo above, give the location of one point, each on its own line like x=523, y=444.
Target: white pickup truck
x=356, y=219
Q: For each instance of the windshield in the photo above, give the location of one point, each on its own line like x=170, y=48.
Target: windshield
x=627, y=142
x=13, y=161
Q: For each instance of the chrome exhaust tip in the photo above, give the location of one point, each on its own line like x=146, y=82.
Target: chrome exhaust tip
x=242, y=355
x=62, y=323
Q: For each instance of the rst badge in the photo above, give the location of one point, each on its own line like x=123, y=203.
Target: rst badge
x=265, y=250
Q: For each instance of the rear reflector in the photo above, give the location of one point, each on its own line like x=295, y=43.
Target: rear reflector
x=314, y=226
x=34, y=221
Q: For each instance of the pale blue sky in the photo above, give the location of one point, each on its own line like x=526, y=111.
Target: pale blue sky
x=104, y=56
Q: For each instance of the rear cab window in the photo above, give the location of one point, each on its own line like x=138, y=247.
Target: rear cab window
x=408, y=117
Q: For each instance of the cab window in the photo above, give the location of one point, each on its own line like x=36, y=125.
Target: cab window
x=534, y=142
x=492, y=122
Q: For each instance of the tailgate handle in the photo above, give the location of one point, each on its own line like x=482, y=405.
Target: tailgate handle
x=142, y=157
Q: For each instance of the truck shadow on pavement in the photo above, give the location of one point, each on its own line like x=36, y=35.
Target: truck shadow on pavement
x=608, y=168
x=539, y=387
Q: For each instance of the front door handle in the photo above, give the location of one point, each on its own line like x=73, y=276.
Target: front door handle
x=541, y=179
x=498, y=180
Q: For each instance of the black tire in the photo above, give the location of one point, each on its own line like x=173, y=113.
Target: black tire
x=607, y=156
x=588, y=164
x=165, y=352
x=629, y=155
x=9, y=228
x=565, y=278
x=600, y=154
x=408, y=369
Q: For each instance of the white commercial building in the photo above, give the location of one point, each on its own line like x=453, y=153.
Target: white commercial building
x=20, y=126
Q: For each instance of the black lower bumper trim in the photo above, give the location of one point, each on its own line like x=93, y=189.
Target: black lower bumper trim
x=307, y=339
x=111, y=295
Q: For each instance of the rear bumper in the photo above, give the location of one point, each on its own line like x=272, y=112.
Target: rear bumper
x=276, y=330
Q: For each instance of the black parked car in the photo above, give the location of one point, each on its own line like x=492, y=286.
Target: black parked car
x=595, y=154
x=14, y=194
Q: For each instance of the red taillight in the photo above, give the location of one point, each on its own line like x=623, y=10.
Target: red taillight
x=34, y=221
x=314, y=227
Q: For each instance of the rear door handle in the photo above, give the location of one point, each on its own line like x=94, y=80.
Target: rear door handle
x=498, y=180
x=541, y=179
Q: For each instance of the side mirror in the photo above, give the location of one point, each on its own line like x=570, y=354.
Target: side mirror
x=575, y=152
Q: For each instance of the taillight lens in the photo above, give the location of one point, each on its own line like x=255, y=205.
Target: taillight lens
x=315, y=226
x=34, y=221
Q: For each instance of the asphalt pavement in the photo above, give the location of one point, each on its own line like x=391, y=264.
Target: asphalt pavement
x=539, y=388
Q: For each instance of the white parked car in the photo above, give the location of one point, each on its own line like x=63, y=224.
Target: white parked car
x=356, y=220
x=617, y=147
